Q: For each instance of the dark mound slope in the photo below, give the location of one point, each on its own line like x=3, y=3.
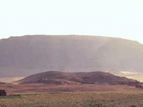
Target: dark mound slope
x=97, y=77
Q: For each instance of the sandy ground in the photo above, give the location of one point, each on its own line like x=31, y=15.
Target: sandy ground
x=35, y=88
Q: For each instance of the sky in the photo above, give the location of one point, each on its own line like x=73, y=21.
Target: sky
x=113, y=18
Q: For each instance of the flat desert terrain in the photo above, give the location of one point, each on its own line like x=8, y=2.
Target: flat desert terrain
x=86, y=95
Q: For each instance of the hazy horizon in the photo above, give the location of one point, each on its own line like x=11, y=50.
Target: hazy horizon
x=71, y=35
x=110, y=18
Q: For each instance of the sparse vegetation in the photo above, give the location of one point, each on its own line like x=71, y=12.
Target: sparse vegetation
x=75, y=99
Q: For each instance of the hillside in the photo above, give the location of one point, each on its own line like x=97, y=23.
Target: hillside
x=97, y=77
x=26, y=55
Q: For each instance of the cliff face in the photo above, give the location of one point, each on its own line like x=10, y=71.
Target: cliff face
x=23, y=56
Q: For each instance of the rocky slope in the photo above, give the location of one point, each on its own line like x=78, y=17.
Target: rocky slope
x=58, y=77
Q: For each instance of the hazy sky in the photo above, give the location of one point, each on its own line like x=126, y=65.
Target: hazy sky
x=116, y=18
